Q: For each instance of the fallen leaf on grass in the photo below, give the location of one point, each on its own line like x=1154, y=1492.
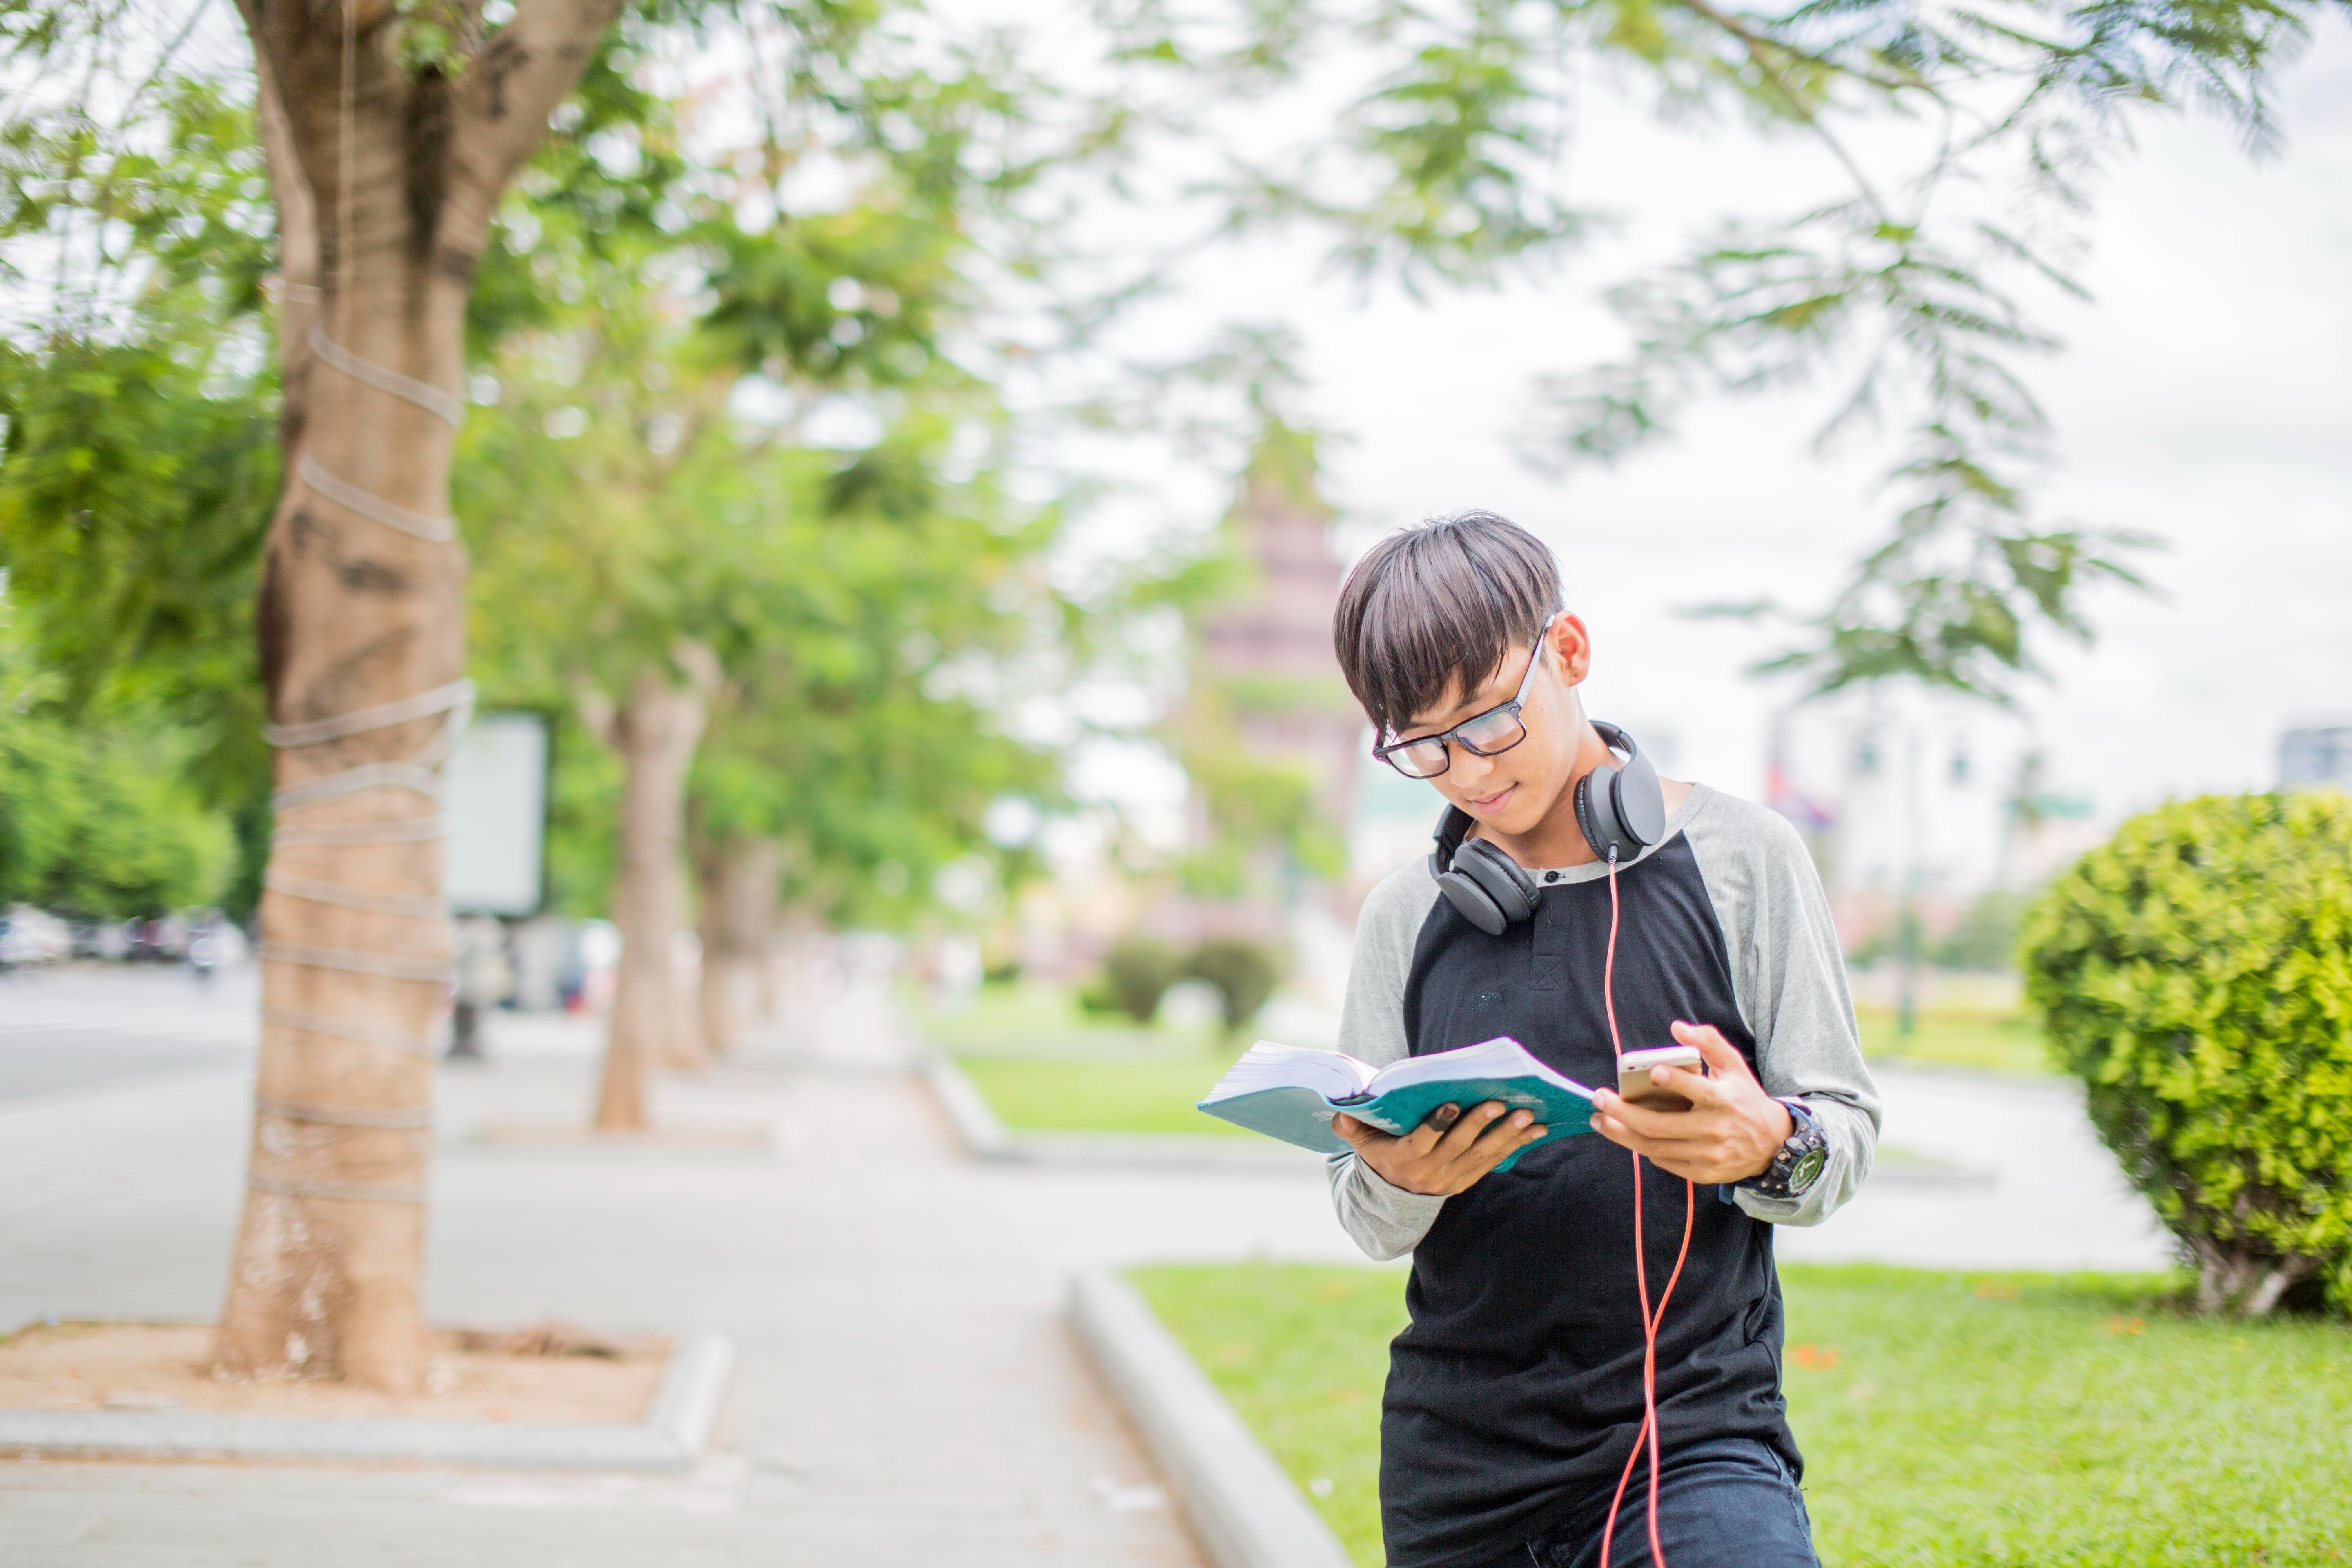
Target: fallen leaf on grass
x=2123, y=1324
x=1820, y=1356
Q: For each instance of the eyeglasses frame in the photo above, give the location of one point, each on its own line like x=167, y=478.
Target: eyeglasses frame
x=1450, y=738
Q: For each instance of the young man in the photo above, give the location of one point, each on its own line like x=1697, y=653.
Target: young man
x=1516, y=1392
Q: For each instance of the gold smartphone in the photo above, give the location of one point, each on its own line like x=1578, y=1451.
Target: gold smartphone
x=1633, y=1085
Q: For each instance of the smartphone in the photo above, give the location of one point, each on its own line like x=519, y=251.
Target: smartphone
x=1633, y=1084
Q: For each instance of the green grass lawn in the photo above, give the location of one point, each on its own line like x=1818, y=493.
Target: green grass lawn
x=1051, y=1096
x=1045, y=1022
x=1045, y=1066
x=1947, y=1420
x=2002, y=1042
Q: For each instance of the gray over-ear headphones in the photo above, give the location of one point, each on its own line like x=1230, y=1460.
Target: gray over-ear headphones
x=1620, y=809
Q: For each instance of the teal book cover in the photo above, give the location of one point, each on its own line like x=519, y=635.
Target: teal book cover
x=1291, y=1094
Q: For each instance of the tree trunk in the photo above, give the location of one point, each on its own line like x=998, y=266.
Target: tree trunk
x=384, y=184
x=738, y=900
x=655, y=731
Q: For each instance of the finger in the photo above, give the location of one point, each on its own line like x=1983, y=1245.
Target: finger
x=1691, y=1084
x=1617, y=1133
x=1654, y=1126
x=1719, y=1053
x=1476, y=1127
x=1425, y=1138
x=1501, y=1141
x=1358, y=1133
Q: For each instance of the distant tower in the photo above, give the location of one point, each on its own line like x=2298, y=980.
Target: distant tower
x=1268, y=651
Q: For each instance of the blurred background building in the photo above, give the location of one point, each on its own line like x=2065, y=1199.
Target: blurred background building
x=2317, y=754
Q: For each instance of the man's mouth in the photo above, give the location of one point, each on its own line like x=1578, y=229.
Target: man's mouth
x=1486, y=804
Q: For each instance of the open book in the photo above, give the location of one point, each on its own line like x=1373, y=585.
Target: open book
x=1288, y=1093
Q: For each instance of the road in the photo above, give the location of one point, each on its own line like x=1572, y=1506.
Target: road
x=78, y=1025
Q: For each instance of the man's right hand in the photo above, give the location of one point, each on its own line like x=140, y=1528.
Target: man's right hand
x=1448, y=1151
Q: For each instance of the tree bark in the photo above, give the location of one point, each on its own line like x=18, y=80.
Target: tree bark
x=384, y=184
x=655, y=729
x=738, y=900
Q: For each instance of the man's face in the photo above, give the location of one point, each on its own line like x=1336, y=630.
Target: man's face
x=1513, y=792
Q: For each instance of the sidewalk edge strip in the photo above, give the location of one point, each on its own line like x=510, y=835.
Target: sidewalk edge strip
x=1243, y=1509
x=967, y=1109
x=686, y=1405
x=673, y=1436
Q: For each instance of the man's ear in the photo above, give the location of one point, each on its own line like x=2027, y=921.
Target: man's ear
x=1574, y=646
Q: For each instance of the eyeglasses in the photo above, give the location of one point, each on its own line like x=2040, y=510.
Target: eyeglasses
x=1488, y=734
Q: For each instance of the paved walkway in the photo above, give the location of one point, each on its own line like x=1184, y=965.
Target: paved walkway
x=905, y=1393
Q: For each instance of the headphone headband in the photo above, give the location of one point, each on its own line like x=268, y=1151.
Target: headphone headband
x=1619, y=810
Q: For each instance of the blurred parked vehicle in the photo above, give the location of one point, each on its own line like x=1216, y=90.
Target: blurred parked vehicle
x=33, y=936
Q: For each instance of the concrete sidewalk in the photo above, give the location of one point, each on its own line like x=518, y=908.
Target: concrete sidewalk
x=907, y=1393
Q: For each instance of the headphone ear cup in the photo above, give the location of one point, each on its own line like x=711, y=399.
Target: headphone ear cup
x=1471, y=902
x=1640, y=802
x=1595, y=796
x=1508, y=888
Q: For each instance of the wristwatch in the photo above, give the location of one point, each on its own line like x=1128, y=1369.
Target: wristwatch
x=1799, y=1162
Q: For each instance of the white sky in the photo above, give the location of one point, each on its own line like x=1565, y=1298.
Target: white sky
x=2202, y=397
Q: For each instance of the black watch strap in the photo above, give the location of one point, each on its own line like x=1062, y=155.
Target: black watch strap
x=1799, y=1162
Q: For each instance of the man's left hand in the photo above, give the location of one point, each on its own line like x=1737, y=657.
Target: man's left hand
x=1730, y=1133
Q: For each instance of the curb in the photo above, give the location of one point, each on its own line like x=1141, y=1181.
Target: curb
x=1242, y=1506
x=672, y=1436
x=984, y=1137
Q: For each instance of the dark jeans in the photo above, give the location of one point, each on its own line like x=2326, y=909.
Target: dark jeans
x=1727, y=1503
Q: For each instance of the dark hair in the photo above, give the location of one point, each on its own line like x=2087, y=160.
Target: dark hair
x=1436, y=608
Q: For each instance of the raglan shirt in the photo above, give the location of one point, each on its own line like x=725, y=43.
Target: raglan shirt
x=1516, y=1387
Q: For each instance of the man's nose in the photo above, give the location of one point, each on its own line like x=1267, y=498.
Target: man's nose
x=1470, y=770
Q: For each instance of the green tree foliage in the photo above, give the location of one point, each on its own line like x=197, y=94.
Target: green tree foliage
x=1966, y=147
x=2196, y=973
x=102, y=825
x=98, y=820
x=138, y=399
x=659, y=341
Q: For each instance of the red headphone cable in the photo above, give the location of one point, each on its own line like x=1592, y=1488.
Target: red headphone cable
x=1650, y=1320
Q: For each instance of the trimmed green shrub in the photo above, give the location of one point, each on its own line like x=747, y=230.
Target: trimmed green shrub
x=1137, y=973
x=2196, y=973
x=1242, y=972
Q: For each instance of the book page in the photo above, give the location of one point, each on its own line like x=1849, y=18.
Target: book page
x=1496, y=1058
x=1266, y=1065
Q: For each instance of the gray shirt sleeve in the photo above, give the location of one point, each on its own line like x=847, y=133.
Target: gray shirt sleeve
x=1787, y=976
x=1790, y=977
x=1386, y=1221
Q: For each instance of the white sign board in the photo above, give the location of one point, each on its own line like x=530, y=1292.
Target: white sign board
x=498, y=816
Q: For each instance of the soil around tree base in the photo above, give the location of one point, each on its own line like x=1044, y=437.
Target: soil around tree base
x=163, y=1368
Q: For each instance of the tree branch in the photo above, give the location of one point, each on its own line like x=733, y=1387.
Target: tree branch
x=503, y=99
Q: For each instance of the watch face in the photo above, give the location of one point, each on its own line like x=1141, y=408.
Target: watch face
x=1807, y=1169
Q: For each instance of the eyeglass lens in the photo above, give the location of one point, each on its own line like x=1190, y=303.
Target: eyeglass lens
x=1488, y=735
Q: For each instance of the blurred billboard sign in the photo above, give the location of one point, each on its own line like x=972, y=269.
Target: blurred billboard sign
x=497, y=803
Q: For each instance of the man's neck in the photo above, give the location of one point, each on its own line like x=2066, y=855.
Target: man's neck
x=1556, y=840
